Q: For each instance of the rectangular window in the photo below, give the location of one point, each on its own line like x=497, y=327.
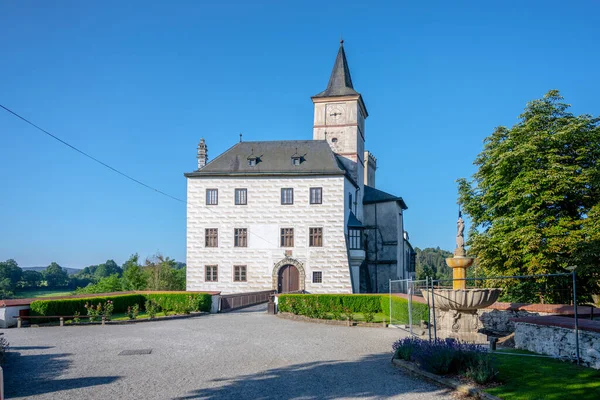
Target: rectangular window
x=287, y=237
x=240, y=238
x=239, y=273
x=317, y=277
x=350, y=200
x=241, y=197
x=316, y=195
x=355, y=239
x=211, y=237
x=315, y=237
x=212, y=197
x=287, y=196
x=211, y=273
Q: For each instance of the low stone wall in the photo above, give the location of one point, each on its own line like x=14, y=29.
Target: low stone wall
x=500, y=320
x=559, y=342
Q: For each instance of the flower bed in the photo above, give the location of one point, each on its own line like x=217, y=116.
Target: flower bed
x=448, y=357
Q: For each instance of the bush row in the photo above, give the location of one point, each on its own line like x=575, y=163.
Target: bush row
x=166, y=301
x=400, y=310
x=308, y=304
x=317, y=305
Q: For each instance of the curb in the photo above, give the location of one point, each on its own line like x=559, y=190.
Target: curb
x=469, y=390
x=302, y=318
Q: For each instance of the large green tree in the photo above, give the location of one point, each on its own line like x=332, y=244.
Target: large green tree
x=56, y=276
x=431, y=263
x=534, y=201
x=134, y=277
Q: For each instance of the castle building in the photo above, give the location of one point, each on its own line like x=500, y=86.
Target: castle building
x=298, y=215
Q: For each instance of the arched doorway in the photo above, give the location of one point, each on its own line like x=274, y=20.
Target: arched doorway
x=296, y=273
x=288, y=279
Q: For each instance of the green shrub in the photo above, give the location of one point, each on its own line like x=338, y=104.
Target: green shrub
x=151, y=308
x=179, y=301
x=400, y=310
x=71, y=306
x=317, y=305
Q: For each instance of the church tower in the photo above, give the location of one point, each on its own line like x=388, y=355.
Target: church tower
x=340, y=115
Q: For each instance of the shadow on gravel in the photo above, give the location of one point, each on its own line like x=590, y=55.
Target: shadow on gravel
x=371, y=376
x=31, y=347
x=29, y=375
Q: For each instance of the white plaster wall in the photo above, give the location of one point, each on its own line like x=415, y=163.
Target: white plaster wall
x=264, y=215
x=8, y=314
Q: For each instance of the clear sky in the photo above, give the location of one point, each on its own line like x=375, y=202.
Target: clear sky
x=137, y=84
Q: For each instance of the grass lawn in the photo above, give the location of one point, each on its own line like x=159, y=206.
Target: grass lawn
x=533, y=378
x=27, y=294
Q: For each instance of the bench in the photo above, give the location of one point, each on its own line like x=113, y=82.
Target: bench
x=61, y=318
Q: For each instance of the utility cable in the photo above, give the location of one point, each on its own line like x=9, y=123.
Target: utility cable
x=91, y=157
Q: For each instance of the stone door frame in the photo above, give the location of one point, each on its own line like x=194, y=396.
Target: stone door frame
x=289, y=261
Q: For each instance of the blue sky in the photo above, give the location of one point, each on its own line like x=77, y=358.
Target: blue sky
x=137, y=84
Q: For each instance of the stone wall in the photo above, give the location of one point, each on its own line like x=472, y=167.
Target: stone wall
x=263, y=216
x=558, y=342
x=500, y=320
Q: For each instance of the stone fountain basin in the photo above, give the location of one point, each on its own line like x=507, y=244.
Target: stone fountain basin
x=463, y=299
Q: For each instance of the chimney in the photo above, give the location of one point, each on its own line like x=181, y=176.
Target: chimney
x=202, y=154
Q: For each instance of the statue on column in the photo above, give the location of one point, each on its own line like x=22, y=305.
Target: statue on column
x=460, y=238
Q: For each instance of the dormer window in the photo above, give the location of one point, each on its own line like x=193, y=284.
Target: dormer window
x=297, y=159
x=334, y=140
x=252, y=159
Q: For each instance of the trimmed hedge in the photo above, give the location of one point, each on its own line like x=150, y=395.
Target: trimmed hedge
x=175, y=301
x=317, y=305
x=70, y=306
x=167, y=301
x=304, y=304
x=400, y=310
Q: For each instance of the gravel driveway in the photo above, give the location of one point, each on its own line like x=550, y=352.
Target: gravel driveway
x=241, y=355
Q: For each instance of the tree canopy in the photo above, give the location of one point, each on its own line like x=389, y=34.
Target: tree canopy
x=534, y=201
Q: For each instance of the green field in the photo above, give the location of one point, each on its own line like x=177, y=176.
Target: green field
x=27, y=294
x=533, y=378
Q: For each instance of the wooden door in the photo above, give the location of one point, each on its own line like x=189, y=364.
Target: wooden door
x=289, y=279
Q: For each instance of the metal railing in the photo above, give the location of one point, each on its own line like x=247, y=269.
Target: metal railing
x=235, y=301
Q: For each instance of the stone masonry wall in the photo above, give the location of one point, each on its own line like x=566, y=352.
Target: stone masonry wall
x=263, y=216
x=558, y=342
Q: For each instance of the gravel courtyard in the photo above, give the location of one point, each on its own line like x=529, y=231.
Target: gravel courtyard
x=241, y=355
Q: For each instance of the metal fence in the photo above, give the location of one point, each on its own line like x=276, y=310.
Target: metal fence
x=524, y=296
x=408, y=308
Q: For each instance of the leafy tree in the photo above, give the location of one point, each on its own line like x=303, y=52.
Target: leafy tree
x=10, y=275
x=31, y=279
x=162, y=274
x=535, y=199
x=107, y=284
x=134, y=277
x=432, y=263
x=107, y=269
x=55, y=276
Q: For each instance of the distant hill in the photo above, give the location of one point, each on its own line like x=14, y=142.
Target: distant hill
x=70, y=271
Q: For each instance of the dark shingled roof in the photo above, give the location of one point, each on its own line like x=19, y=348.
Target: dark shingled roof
x=274, y=158
x=340, y=82
x=373, y=195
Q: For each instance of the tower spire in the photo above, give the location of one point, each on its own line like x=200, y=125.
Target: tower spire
x=340, y=81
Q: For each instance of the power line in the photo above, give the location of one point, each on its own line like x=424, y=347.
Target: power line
x=108, y=166
x=91, y=157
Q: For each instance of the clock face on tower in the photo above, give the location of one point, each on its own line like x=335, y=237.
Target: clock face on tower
x=335, y=114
